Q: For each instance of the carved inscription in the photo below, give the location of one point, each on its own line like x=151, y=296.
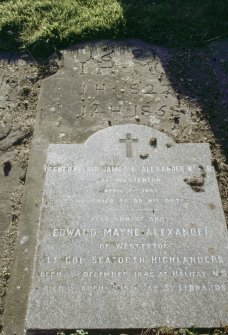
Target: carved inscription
x=128, y=142
x=115, y=228
x=118, y=83
x=160, y=248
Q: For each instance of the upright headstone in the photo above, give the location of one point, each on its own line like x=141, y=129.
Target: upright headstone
x=131, y=235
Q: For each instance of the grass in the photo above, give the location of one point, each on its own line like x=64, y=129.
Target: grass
x=42, y=26
x=153, y=331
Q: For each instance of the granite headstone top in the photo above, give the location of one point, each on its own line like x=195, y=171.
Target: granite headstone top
x=132, y=235
x=110, y=82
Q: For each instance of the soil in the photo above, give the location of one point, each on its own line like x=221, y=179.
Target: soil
x=20, y=77
x=201, y=77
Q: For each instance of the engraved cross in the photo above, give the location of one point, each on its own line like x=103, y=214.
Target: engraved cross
x=128, y=141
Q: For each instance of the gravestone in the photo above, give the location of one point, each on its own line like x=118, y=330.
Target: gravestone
x=107, y=83
x=97, y=85
x=131, y=235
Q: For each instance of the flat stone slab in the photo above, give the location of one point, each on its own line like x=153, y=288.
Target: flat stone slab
x=108, y=82
x=132, y=235
x=99, y=84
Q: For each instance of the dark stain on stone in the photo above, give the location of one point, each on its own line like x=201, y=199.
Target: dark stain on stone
x=153, y=142
x=7, y=166
x=169, y=145
x=211, y=205
x=144, y=156
x=197, y=182
x=214, y=162
x=202, y=171
x=211, y=251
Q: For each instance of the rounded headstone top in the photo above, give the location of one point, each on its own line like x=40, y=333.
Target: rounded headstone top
x=128, y=141
x=143, y=132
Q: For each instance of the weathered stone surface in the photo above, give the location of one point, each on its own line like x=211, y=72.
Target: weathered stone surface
x=60, y=119
x=107, y=82
x=68, y=113
x=132, y=235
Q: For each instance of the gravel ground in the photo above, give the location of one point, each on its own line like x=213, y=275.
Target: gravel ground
x=20, y=77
